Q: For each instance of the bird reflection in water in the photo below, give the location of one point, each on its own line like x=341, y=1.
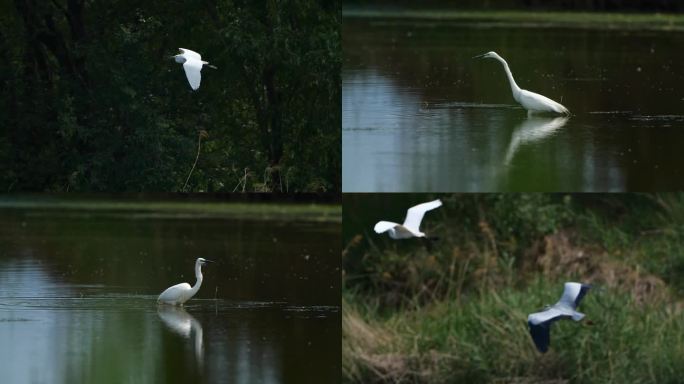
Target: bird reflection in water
x=532, y=130
x=184, y=324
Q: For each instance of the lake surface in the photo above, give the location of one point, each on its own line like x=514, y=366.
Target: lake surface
x=420, y=115
x=78, y=293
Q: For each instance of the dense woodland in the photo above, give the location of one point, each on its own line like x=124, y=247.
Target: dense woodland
x=92, y=101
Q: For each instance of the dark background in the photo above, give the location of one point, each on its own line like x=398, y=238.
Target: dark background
x=91, y=100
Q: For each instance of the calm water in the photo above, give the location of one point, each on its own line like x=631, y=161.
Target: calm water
x=78, y=299
x=420, y=115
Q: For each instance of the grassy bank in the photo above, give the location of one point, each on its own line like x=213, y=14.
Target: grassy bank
x=456, y=312
x=643, y=21
x=286, y=211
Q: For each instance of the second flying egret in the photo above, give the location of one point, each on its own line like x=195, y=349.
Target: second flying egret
x=192, y=64
x=532, y=102
x=411, y=226
x=180, y=293
x=565, y=308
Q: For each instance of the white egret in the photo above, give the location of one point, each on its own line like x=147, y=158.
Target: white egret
x=180, y=293
x=532, y=102
x=540, y=322
x=411, y=226
x=192, y=64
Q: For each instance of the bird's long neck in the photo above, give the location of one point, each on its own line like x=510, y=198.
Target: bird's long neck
x=514, y=87
x=198, y=283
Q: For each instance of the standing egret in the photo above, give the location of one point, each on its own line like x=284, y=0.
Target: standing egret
x=411, y=225
x=565, y=308
x=180, y=293
x=533, y=102
x=192, y=64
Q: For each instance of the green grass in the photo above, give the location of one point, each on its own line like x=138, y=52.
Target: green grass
x=484, y=338
x=243, y=210
x=645, y=21
x=457, y=312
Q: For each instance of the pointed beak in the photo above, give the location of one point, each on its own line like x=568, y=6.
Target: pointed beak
x=479, y=56
x=209, y=261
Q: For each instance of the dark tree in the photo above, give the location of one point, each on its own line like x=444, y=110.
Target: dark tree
x=92, y=102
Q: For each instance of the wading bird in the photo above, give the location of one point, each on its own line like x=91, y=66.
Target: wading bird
x=180, y=293
x=540, y=322
x=411, y=225
x=532, y=102
x=192, y=64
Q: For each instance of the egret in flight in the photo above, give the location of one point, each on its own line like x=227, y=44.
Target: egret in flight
x=532, y=102
x=192, y=64
x=565, y=308
x=180, y=293
x=411, y=226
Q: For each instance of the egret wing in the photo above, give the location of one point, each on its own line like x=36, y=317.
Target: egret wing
x=540, y=327
x=541, y=335
x=541, y=103
x=573, y=294
x=384, y=226
x=193, y=70
x=190, y=54
x=548, y=315
x=173, y=293
x=415, y=214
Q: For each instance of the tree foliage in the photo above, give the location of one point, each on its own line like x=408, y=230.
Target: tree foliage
x=91, y=100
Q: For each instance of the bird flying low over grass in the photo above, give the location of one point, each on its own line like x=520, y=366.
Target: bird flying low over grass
x=411, y=226
x=192, y=64
x=532, y=102
x=540, y=322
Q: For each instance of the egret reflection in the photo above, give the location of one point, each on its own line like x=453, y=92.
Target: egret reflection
x=531, y=130
x=184, y=324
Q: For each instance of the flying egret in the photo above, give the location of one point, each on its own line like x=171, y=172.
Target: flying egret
x=192, y=64
x=533, y=102
x=411, y=225
x=180, y=293
x=540, y=322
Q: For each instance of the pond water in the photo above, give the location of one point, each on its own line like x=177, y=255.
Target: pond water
x=420, y=115
x=78, y=296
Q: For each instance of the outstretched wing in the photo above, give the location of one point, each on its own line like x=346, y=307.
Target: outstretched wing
x=193, y=70
x=541, y=335
x=573, y=294
x=540, y=327
x=415, y=214
x=384, y=226
x=190, y=54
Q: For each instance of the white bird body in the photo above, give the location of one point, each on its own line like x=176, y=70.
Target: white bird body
x=531, y=101
x=192, y=65
x=180, y=293
x=411, y=226
x=540, y=322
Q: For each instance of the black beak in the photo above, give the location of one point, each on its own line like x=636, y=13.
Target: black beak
x=479, y=56
x=208, y=261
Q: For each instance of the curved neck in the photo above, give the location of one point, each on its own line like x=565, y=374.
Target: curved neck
x=514, y=87
x=198, y=274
